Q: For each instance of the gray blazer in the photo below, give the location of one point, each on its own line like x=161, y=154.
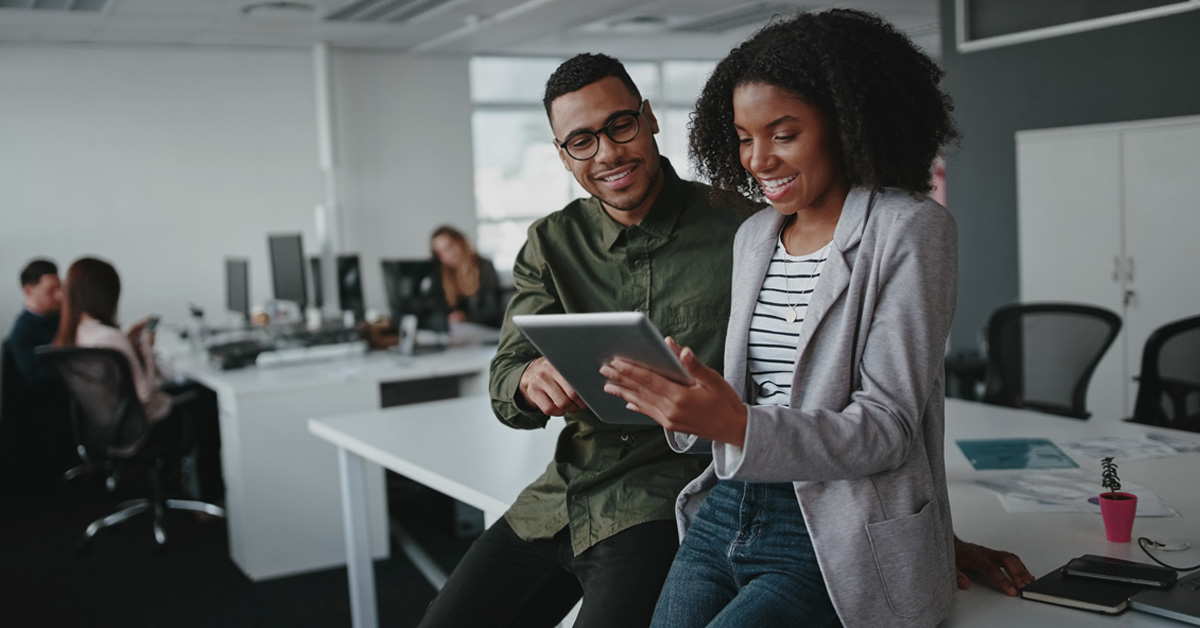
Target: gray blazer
x=862, y=438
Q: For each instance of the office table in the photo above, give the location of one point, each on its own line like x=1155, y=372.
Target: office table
x=1046, y=541
x=457, y=447
x=281, y=484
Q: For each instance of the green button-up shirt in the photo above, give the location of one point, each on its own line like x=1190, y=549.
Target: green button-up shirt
x=675, y=266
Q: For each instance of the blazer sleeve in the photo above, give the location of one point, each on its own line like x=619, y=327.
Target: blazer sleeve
x=898, y=370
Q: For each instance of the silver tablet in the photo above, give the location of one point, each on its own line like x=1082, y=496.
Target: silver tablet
x=579, y=344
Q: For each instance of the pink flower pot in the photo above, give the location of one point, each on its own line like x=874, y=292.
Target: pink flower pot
x=1118, y=516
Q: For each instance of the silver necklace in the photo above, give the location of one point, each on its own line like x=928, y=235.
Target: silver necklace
x=791, y=315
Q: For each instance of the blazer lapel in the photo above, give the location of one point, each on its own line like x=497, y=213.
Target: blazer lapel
x=835, y=276
x=752, y=262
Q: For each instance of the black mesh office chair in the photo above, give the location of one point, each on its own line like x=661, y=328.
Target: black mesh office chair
x=110, y=426
x=1169, y=384
x=1041, y=356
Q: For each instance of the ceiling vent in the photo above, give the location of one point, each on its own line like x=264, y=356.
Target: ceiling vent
x=73, y=6
x=737, y=17
x=388, y=10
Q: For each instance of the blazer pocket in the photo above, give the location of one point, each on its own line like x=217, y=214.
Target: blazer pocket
x=911, y=560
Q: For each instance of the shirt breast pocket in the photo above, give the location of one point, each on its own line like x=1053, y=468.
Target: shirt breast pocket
x=701, y=327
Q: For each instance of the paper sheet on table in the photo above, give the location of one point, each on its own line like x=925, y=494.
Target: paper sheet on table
x=1064, y=491
x=1130, y=447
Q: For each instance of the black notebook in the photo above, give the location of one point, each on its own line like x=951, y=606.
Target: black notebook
x=1084, y=593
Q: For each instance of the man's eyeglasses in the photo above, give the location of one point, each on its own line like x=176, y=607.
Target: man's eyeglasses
x=621, y=128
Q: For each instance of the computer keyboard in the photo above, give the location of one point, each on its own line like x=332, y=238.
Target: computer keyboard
x=236, y=354
x=298, y=355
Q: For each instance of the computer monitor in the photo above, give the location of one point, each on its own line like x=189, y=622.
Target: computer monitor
x=413, y=288
x=287, y=268
x=237, y=286
x=350, y=292
x=318, y=284
x=349, y=283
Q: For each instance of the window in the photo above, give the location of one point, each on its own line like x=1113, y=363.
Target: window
x=518, y=175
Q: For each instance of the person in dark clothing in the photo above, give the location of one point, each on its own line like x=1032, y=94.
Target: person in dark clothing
x=36, y=444
x=38, y=322
x=470, y=286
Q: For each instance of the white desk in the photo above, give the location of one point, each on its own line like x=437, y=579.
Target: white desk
x=459, y=448
x=282, y=492
x=456, y=447
x=1045, y=541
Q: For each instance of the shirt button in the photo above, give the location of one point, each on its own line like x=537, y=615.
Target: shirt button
x=625, y=437
x=637, y=263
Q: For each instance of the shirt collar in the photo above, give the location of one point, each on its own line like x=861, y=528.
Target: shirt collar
x=659, y=221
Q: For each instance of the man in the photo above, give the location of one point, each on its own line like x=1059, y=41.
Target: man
x=36, y=445
x=601, y=519
x=600, y=522
x=38, y=322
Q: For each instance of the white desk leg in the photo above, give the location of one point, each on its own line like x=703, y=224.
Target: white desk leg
x=363, y=611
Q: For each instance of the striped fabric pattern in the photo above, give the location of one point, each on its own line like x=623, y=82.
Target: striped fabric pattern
x=771, y=355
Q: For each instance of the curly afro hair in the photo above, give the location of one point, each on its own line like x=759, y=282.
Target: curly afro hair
x=880, y=93
x=582, y=70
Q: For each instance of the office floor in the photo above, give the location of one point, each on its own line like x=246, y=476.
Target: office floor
x=44, y=582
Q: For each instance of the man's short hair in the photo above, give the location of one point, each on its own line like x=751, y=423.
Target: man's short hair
x=582, y=70
x=33, y=271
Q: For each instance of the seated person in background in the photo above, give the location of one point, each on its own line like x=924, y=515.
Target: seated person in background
x=36, y=443
x=470, y=286
x=90, y=320
x=38, y=322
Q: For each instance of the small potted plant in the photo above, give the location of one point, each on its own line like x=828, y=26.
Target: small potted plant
x=1118, y=509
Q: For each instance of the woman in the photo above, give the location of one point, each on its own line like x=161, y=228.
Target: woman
x=470, y=285
x=89, y=319
x=826, y=501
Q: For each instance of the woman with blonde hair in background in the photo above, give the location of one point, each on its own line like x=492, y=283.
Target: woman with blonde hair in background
x=470, y=286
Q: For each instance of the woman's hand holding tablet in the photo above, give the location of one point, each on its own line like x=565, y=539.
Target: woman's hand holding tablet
x=708, y=407
x=578, y=345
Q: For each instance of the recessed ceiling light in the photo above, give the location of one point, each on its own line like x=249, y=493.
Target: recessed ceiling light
x=280, y=8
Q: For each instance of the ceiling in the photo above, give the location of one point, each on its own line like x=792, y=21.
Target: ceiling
x=629, y=29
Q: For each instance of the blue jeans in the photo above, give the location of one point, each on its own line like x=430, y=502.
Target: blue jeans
x=747, y=560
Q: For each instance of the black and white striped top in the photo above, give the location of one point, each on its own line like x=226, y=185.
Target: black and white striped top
x=771, y=355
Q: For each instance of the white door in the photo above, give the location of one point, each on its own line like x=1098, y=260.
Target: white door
x=1069, y=235
x=1162, y=229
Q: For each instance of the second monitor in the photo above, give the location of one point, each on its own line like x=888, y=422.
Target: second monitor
x=349, y=284
x=413, y=287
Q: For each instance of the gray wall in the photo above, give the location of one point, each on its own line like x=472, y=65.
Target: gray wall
x=1147, y=69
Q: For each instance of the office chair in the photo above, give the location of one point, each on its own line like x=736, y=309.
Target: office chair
x=111, y=427
x=1041, y=356
x=1169, y=385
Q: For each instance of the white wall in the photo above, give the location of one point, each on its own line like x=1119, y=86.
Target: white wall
x=404, y=155
x=165, y=160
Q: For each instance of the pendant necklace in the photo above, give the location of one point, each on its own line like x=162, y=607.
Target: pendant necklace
x=792, y=315
x=791, y=307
